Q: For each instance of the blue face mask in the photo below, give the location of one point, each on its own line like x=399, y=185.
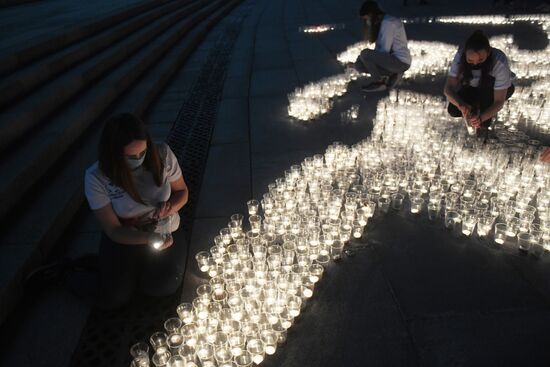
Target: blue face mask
x=135, y=163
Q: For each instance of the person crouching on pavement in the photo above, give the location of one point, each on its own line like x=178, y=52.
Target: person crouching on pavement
x=135, y=190
x=478, y=83
x=390, y=57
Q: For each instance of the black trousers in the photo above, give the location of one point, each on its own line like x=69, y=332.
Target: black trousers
x=479, y=98
x=127, y=269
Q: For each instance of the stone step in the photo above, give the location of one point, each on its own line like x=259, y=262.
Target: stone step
x=25, y=80
x=24, y=116
x=50, y=44
x=30, y=239
x=32, y=157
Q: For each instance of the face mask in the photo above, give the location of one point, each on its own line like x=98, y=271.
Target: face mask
x=135, y=163
x=480, y=65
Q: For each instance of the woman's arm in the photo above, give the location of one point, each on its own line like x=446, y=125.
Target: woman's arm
x=116, y=231
x=450, y=91
x=498, y=102
x=177, y=199
x=179, y=196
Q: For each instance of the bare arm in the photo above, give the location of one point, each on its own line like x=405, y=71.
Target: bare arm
x=450, y=91
x=177, y=200
x=498, y=102
x=116, y=231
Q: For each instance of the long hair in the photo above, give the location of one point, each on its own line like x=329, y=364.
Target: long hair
x=119, y=131
x=376, y=15
x=476, y=42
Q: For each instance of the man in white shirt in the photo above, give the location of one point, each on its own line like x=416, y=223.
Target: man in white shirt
x=390, y=58
x=478, y=83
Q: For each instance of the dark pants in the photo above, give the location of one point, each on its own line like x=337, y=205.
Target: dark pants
x=480, y=99
x=125, y=269
x=379, y=64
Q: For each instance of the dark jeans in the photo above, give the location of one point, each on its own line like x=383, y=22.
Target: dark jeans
x=379, y=64
x=125, y=269
x=480, y=99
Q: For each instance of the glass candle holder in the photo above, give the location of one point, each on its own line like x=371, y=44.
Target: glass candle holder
x=158, y=340
x=469, y=221
x=139, y=349
x=383, y=204
x=525, y=241
x=416, y=205
x=244, y=360
x=397, y=201
x=256, y=349
x=500, y=233
x=172, y=325
x=269, y=338
x=315, y=272
x=433, y=210
x=336, y=250
x=203, y=258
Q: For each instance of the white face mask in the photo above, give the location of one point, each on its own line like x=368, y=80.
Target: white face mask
x=135, y=163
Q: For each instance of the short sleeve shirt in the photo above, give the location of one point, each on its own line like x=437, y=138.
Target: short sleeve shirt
x=101, y=191
x=500, y=70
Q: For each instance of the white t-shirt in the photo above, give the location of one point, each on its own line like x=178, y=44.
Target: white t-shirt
x=392, y=39
x=100, y=191
x=500, y=71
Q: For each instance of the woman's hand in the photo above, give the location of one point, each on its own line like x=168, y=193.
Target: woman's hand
x=475, y=121
x=465, y=109
x=165, y=210
x=545, y=156
x=159, y=242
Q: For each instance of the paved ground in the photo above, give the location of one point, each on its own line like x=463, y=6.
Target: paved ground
x=405, y=301
x=418, y=297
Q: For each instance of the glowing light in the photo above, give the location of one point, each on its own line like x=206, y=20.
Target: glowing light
x=321, y=28
x=526, y=110
x=261, y=279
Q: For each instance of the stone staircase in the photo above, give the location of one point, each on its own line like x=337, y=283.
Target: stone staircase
x=54, y=96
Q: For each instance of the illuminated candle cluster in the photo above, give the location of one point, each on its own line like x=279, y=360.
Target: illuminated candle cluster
x=263, y=270
x=531, y=68
x=321, y=28
x=315, y=99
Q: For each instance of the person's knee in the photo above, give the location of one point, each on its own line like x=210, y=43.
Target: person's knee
x=510, y=91
x=367, y=54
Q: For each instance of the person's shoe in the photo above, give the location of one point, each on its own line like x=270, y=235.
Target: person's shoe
x=393, y=80
x=379, y=86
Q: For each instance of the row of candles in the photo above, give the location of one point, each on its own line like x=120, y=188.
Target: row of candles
x=526, y=110
x=263, y=269
x=321, y=28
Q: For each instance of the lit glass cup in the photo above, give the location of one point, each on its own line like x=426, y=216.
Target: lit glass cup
x=256, y=349
x=525, y=241
x=397, y=201
x=336, y=250
x=383, y=204
x=253, y=206
x=433, y=211
x=416, y=205
x=500, y=233
x=203, y=262
x=452, y=219
x=469, y=221
x=244, y=359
